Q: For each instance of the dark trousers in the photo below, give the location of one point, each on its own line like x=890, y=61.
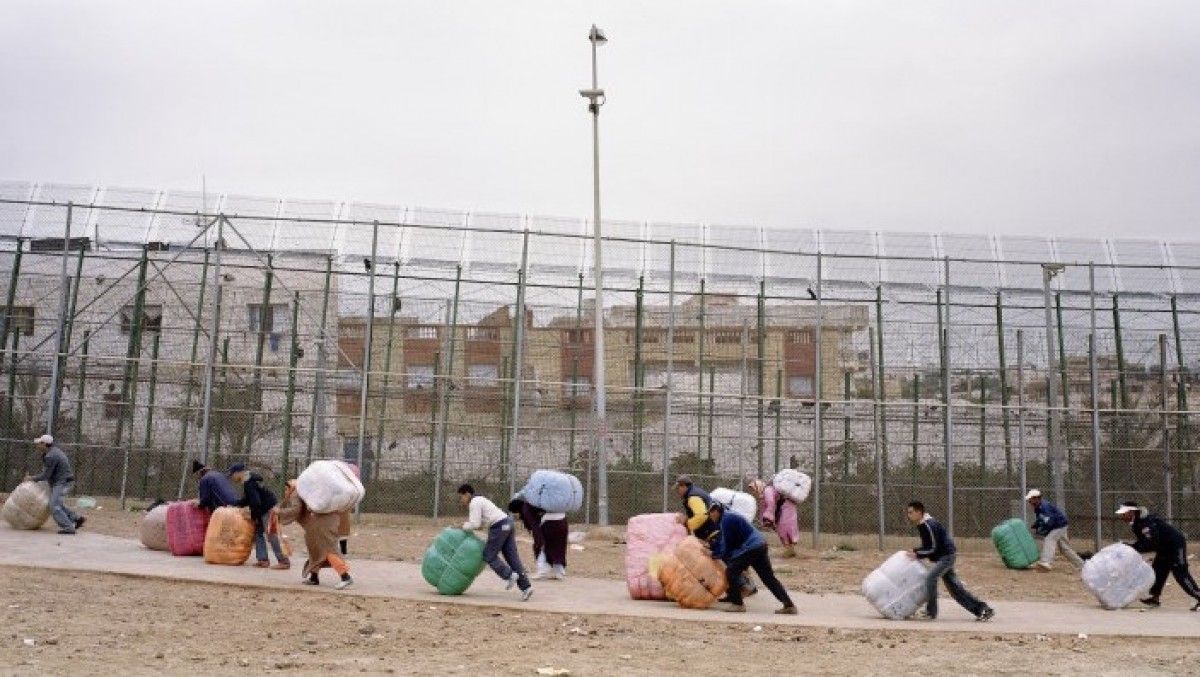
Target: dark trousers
x=1173, y=561
x=758, y=560
x=502, y=543
x=944, y=569
x=553, y=542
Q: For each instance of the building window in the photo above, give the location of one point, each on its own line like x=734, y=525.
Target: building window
x=800, y=386
x=483, y=334
x=483, y=375
x=727, y=336
x=420, y=377
x=802, y=337
x=275, y=320
x=685, y=337
x=151, y=317
x=421, y=332
x=113, y=411
x=579, y=336
x=20, y=320
x=651, y=336
x=580, y=386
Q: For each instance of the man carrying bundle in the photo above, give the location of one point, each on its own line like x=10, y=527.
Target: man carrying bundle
x=737, y=543
x=1156, y=535
x=57, y=472
x=320, y=537
x=1051, y=524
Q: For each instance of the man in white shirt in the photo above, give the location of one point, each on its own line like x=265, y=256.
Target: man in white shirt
x=501, y=542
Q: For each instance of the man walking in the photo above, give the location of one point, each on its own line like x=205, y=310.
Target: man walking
x=57, y=472
x=937, y=547
x=1156, y=535
x=1050, y=523
x=737, y=543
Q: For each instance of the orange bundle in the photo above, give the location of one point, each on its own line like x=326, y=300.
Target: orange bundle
x=229, y=538
x=691, y=576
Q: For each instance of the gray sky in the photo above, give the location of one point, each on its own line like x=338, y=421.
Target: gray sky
x=1072, y=118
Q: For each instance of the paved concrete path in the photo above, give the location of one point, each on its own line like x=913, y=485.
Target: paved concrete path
x=402, y=580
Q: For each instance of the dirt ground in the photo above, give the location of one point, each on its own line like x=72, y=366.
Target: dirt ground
x=834, y=570
x=80, y=623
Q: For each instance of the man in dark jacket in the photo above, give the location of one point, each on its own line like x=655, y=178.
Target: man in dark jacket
x=1156, y=535
x=695, y=500
x=737, y=543
x=214, y=490
x=1051, y=524
x=57, y=472
x=937, y=547
x=261, y=501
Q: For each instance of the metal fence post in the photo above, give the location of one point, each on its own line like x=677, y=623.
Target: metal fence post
x=316, y=420
x=876, y=384
x=666, y=452
x=213, y=338
x=293, y=358
x=519, y=371
x=1021, y=421
x=264, y=308
x=60, y=356
x=1095, y=389
x=1166, y=431
x=393, y=306
x=818, y=443
x=366, y=362
x=444, y=402
x=949, y=414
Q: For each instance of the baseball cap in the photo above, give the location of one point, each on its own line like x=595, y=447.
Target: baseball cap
x=1033, y=493
x=44, y=439
x=1128, y=506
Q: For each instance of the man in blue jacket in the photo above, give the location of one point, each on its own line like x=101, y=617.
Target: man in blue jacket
x=737, y=543
x=937, y=547
x=1156, y=535
x=1051, y=524
x=214, y=490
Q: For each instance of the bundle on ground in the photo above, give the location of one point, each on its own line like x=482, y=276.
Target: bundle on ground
x=1015, y=544
x=453, y=561
x=28, y=506
x=153, y=528
x=897, y=588
x=646, y=536
x=1117, y=575
x=186, y=526
x=229, y=537
x=691, y=577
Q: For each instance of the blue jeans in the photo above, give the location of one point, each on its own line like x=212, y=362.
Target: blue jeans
x=502, y=543
x=260, y=540
x=63, y=517
x=944, y=569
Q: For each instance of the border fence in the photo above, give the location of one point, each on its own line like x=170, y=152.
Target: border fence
x=147, y=328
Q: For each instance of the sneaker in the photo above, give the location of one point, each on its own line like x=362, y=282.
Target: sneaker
x=344, y=583
x=79, y=521
x=923, y=615
x=788, y=610
x=282, y=566
x=560, y=572
x=1151, y=602
x=986, y=615
x=310, y=581
x=1042, y=567
x=67, y=532
x=733, y=608
x=526, y=594
x=262, y=564
x=1196, y=606
x=512, y=580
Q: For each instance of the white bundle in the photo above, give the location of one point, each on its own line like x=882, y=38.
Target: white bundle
x=897, y=588
x=792, y=483
x=738, y=501
x=1117, y=575
x=28, y=506
x=329, y=486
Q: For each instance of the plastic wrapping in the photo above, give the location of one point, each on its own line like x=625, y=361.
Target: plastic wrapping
x=329, y=486
x=453, y=561
x=647, y=536
x=1117, y=575
x=897, y=588
x=792, y=484
x=28, y=506
x=738, y=501
x=553, y=491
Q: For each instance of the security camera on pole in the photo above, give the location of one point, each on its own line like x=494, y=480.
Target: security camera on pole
x=595, y=97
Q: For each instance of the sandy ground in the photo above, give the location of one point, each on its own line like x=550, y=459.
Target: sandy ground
x=405, y=538
x=83, y=623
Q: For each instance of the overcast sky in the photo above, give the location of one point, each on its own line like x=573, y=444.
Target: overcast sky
x=1073, y=118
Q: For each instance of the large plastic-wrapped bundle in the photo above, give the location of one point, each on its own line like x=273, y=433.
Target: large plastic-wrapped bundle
x=28, y=506
x=897, y=588
x=229, y=537
x=1117, y=575
x=153, y=529
x=329, y=486
x=645, y=537
x=553, y=491
x=792, y=484
x=453, y=561
x=738, y=501
x=1015, y=544
x=691, y=576
x=186, y=527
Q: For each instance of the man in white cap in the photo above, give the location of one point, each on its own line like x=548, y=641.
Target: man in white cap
x=1156, y=535
x=56, y=471
x=1050, y=523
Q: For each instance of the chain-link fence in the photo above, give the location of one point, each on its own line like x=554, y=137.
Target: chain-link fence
x=156, y=328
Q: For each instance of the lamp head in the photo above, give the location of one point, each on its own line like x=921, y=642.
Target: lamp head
x=597, y=36
x=1052, y=269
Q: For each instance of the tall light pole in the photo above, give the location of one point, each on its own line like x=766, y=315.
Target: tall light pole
x=595, y=97
x=1054, y=447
